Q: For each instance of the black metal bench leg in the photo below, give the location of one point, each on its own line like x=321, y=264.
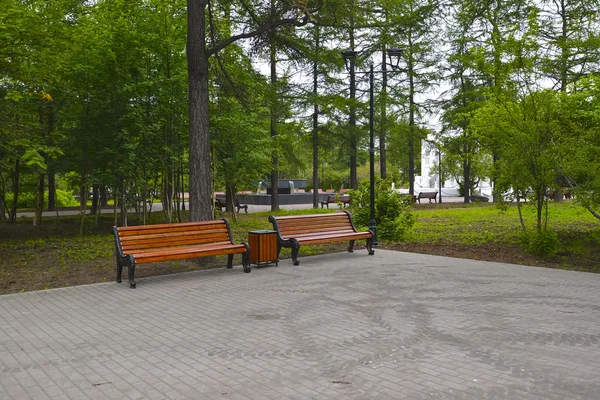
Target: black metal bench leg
x=119, y=270
x=351, y=247
x=370, y=246
x=295, y=248
x=229, y=261
x=131, y=272
x=246, y=259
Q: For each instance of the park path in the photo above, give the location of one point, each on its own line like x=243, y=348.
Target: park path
x=339, y=326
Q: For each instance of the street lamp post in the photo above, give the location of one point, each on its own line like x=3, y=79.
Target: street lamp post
x=350, y=58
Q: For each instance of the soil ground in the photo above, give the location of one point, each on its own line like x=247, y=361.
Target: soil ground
x=56, y=255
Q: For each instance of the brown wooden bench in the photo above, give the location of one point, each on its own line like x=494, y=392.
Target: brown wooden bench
x=297, y=230
x=345, y=200
x=427, y=195
x=162, y=242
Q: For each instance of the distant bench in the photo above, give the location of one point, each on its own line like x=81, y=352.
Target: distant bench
x=427, y=195
x=162, y=242
x=297, y=230
x=345, y=200
x=222, y=204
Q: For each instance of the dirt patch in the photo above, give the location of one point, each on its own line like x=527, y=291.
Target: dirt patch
x=505, y=254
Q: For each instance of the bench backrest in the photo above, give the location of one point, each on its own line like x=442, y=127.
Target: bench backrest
x=134, y=238
x=341, y=198
x=292, y=226
x=428, y=194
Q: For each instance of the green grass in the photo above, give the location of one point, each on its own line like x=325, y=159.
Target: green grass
x=487, y=224
x=56, y=255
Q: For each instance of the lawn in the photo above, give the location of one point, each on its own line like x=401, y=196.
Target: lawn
x=55, y=255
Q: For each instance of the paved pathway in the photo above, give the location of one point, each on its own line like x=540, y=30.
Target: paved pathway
x=339, y=326
x=251, y=208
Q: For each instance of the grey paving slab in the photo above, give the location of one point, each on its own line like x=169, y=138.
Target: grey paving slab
x=339, y=326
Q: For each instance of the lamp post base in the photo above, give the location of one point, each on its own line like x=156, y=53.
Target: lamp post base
x=373, y=229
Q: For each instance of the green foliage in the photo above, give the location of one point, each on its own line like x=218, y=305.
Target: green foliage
x=393, y=214
x=541, y=243
x=27, y=199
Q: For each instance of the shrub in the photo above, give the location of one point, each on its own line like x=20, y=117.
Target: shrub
x=393, y=214
x=27, y=199
x=541, y=243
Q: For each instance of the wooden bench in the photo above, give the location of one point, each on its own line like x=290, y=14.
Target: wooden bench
x=162, y=242
x=239, y=206
x=222, y=204
x=427, y=195
x=294, y=231
x=345, y=200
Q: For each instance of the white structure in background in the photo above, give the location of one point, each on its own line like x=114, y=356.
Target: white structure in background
x=429, y=180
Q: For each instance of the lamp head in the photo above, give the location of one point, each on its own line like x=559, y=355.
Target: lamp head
x=349, y=58
x=395, y=54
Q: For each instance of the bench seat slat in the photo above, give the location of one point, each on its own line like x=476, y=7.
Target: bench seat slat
x=187, y=252
x=132, y=247
x=331, y=234
x=301, y=231
x=167, y=230
x=139, y=241
x=330, y=238
x=302, y=234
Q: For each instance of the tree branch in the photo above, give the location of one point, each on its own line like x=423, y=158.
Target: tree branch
x=260, y=30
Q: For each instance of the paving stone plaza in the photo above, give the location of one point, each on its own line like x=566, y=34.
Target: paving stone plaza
x=339, y=326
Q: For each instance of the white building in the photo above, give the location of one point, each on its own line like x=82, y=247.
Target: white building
x=429, y=180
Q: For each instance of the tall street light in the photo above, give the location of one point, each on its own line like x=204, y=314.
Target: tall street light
x=350, y=58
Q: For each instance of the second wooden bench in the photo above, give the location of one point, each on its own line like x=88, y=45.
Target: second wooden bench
x=297, y=230
x=162, y=242
x=344, y=200
x=427, y=195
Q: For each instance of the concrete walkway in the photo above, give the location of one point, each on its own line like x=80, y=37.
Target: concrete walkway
x=339, y=326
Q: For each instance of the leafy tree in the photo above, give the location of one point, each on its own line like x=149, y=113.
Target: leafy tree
x=569, y=39
x=580, y=142
x=416, y=22
x=529, y=131
x=252, y=19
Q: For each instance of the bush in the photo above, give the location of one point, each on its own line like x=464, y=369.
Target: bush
x=541, y=243
x=27, y=199
x=393, y=214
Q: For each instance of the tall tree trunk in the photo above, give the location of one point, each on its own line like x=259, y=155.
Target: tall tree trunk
x=383, y=123
x=275, y=161
x=353, y=134
x=83, y=196
x=95, y=199
x=411, y=115
x=315, y=133
x=229, y=196
x=51, y=188
x=103, y=196
x=39, y=202
x=15, y=188
x=200, y=181
x=3, y=208
x=467, y=180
